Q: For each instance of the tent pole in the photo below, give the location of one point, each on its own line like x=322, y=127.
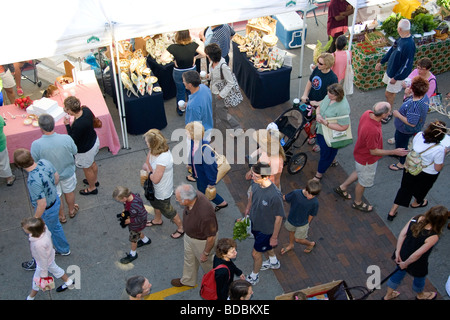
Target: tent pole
x=301, y=61
x=355, y=13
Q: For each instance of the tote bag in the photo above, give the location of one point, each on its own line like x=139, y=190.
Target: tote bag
x=337, y=139
x=234, y=97
x=348, y=78
x=223, y=166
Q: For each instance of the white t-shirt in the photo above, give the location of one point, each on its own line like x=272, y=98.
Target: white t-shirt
x=164, y=189
x=435, y=154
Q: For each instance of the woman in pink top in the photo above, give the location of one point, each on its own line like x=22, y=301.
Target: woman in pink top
x=423, y=71
x=340, y=58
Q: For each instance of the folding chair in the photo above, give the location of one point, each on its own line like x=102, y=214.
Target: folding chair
x=310, y=7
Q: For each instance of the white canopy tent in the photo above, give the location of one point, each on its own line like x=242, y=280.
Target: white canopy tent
x=59, y=27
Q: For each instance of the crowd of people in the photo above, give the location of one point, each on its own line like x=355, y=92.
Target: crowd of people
x=53, y=159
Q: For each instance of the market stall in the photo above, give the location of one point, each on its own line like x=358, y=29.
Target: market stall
x=19, y=135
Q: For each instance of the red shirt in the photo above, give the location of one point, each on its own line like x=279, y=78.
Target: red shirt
x=336, y=28
x=370, y=137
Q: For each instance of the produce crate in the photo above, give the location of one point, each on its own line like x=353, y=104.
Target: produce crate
x=376, y=39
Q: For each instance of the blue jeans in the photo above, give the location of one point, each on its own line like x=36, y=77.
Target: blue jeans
x=178, y=79
x=51, y=219
x=201, y=186
x=396, y=279
x=401, y=141
x=327, y=154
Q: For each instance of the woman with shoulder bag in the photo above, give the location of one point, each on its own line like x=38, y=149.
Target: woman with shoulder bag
x=220, y=71
x=432, y=154
x=204, y=166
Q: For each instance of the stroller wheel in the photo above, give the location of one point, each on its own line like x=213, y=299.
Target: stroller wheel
x=297, y=163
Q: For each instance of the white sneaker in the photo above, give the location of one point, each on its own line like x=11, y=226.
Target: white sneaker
x=267, y=265
x=391, y=141
x=251, y=280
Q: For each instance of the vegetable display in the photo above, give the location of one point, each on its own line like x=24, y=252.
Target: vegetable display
x=423, y=22
x=389, y=25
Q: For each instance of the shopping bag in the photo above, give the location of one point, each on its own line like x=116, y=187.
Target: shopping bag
x=234, y=97
x=223, y=166
x=348, y=78
x=337, y=139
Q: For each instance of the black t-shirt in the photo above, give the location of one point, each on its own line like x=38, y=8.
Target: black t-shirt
x=82, y=131
x=319, y=84
x=183, y=54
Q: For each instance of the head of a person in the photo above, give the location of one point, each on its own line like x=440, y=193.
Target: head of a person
x=23, y=158
x=214, y=52
x=46, y=122
x=183, y=37
x=195, y=130
x=260, y=170
x=185, y=194
x=325, y=61
x=121, y=193
x=33, y=226
x=72, y=105
x=435, y=132
x=419, y=86
x=226, y=249
x=156, y=142
x=51, y=91
x=313, y=188
x=341, y=42
x=403, y=27
x=335, y=91
x=191, y=78
x=240, y=290
x=436, y=217
x=424, y=64
x=381, y=109
x=138, y=287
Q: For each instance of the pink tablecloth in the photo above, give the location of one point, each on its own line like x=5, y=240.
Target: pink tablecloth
x=19, y=135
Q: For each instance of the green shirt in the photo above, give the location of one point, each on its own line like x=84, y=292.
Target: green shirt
x=2, y=135
x=335, y=109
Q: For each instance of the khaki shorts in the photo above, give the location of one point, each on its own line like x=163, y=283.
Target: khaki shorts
x=392, y=88
x=366, y=174
x=299, y=232
x=66, y=186
x=165, y=207
x=85, y=160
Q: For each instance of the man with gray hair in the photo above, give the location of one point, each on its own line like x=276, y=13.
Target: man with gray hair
x=201, y=234
x=399, y=58
x=368, y=150
x=60, y=150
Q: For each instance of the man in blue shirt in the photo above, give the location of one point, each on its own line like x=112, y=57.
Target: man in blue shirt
x=60, y=150
x=304, y=207
x=400, y=59
x=199, y=105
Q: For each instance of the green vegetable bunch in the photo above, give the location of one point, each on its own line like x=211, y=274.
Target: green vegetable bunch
x=389, y=25
x=423, y=22
x=444, y=3
x=240, y=229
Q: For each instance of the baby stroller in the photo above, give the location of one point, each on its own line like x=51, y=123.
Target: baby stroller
x=290, y=124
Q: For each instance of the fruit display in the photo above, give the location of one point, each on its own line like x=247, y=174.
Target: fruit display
x=366, y=47
x=24, y=102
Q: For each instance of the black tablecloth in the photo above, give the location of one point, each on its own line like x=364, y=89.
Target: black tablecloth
x=165, y=77
x=263, y=89
x=145, y=113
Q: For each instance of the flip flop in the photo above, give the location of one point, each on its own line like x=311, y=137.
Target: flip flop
x=151, y=223
x=75, y=211
x=424, y=203
x=217, y=208
x=395, y=167
x=394, y=295
x=63, y=219
x=364, y=207
x=175, y=233
x=343, y=193
x=309, y=249
x=190, y=178
x=285, y=250
x=431, y=296
x=19, y=91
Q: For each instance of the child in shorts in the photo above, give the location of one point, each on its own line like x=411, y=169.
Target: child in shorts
x=43, y=253
x=304, y=207
x=136, y=222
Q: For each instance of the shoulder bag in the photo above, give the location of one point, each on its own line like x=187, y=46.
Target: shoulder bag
x=149, y=189
x=337, y=139
x=234, y=97
x=223, y=166
x=348, y=78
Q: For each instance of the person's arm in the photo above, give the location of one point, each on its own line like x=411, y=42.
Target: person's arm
x=306, y=92
x=276, y=231
x=402, y=118
x=157, y=174
x=40, y=208
x=344, y=14
x=428, y=244
x=395, y=152
x=208, y=248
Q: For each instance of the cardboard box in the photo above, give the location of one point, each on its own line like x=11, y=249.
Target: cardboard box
x=289, y=29
x=310, y=292
x=67, y=80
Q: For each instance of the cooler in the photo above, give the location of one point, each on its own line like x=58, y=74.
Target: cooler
x=289, y=29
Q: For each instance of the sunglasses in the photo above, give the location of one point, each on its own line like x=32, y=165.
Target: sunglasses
x=320, y=63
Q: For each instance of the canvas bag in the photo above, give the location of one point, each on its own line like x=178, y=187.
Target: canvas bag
x=413, y=162
x=337, y=139
x=234, y=97
x=348, y=78
x=208, y=288
x=223, y=166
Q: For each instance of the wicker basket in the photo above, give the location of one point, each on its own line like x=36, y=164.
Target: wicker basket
x=376, y=39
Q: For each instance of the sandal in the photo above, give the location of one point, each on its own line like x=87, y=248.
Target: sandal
x=191, y=178
x=395, y=167
x=394, y=295
x=343, y=193
x=391, y=141
x=63, y=219
x=309, y=249
x=75, y=211
x=387, y=119
x=424, y=203
x=364, y=207
x=19, y=91
x=151, y=223
x=286, y=249
x=180, y=234
x=430, y=296
x=317, y=178
x=86, y=182
x=86, y=192
x=217, y=208
x=334, y=164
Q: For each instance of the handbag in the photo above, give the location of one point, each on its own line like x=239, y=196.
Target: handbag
x=234, y=97
x=435, y=99
x=96, y=121
x=149, y=189
x=348, y=78
x=210, y=193
x=337, y=139
x=223, y=166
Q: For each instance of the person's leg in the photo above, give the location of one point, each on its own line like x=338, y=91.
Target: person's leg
x=257, y=261
x=18, y=77
x=394, y=281
x=327, y=156
x=51, y=219
x=350, y=179
x=401, y=141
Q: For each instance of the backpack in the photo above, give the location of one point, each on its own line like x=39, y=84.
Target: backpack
x=413, y=162
x=208, y=288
